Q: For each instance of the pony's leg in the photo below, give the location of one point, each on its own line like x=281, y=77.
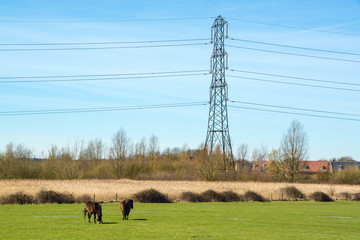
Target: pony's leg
x=89, y=216
x=95, y=218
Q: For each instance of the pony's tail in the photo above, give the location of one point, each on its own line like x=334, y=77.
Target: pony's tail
x=85, y=212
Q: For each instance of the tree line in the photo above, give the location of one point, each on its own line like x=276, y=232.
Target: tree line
x=122, y=159
x=144, y=160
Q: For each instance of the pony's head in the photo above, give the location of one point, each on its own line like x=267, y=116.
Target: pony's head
x=131, y=203
x=99, y=214
x=99, y=218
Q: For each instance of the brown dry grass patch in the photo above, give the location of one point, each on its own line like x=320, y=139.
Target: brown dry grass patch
x=106, y=190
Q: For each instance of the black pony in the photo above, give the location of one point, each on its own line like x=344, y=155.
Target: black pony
x=125, y=206
x=93, y=208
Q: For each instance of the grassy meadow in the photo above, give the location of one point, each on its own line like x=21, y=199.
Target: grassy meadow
x=243, y=220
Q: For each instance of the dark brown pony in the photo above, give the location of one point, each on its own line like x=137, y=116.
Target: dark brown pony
x=125, y=206
x=93, y=208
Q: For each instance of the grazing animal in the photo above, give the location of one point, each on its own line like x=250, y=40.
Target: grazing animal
x=93, y=208
x=125, y=206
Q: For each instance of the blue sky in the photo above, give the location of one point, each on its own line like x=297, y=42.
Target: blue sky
x=329, y=25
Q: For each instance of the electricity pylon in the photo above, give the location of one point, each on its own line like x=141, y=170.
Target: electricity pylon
x=218, y=126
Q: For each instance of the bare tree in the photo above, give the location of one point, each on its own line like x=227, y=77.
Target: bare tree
x=275, y=169
x=346, y=159
x=7, y=161
x=243, y=150
x=99, y=149
x=51, y=166
x=93, y=151
x=153, y=144
x=208, y=165
x=259, y=155
x=119, y=151
x=21, y=152
x=71, y=167
x=294, y=149
x=140, y=149
x=153, y=153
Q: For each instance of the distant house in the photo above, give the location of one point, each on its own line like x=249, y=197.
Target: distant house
x=306, y=167
x=260, y=165
x=243, y=166
x=313, y=167
x=336, y=166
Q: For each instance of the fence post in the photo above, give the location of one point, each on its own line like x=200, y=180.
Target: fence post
x=94, y=197
x=116, y=198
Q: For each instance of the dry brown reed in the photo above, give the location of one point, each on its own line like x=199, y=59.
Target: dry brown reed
x=107, y=190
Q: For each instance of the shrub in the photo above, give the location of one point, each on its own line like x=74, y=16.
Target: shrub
x=54, y=197
x=230, y=196
x=151, y=196
x=344, y=196
x=191, y=197
x=292, y=192
x=83, y=198
x=349, y=175
x=323, y=177
x=356, y=197
x=320, y=197
x=212, y=196
x=253, y=196
x=17, y=198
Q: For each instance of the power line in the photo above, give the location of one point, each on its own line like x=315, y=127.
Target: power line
x=296, y=84
x=294, y=108
x=295, y=54
x=103, y=43
x=295, y=113
x=101, y=75
x=174, y=19
x=292, y=113
x=107, y=20
x=294, y=47
x=102, y=48
x=139, y=76
x=292, y=27
x=177, y=105
x=100, y=109
x=295, y=77
x=103, y=79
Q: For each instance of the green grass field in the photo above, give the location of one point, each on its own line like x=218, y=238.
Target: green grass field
x=243, y=220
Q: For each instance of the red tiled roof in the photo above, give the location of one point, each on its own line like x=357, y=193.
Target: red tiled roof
x=314, y=166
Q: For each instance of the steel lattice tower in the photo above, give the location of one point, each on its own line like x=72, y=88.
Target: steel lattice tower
x=218, y=126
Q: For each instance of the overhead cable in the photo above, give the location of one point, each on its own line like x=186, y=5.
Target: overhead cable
x=296, y=84
x=294, y=27
x=294, y=108
x=294, y=47
x=100, y=109
x=102, y=75
x=294, y=54
x=109, y=77
x=101, y=48
x=295, y=77
x=105, y=20
x=103, y=43
x=297, y=111
x=292, y=113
